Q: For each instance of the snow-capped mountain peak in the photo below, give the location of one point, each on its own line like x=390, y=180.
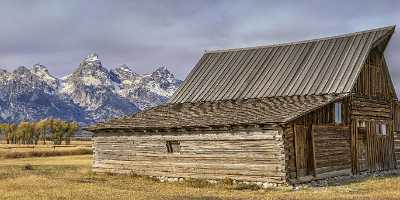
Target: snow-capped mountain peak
x=93, y=57
x=124, y=68
x=163, y=74
x=43, y=73
x=21, y=70
x=90, y=73
x=91, y=93
x=4, y=76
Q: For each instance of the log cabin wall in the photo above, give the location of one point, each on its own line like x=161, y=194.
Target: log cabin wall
x=371, y=104
x=248, y=155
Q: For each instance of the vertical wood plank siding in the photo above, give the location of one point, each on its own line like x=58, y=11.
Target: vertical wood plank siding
x=372, y=103
x=368, y=147
x=397, y=148
x=374, y=79
x=248, y=156
x=379, y=149
x=302, y=150
x=396, y=133
x=290, y=153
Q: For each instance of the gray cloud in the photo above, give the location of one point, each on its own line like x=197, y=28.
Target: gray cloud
x=147, y=34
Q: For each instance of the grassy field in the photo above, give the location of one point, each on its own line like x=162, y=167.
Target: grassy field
x=41, y=150
x=70, y=177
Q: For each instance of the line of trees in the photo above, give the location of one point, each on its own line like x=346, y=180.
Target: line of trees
x=54, y=130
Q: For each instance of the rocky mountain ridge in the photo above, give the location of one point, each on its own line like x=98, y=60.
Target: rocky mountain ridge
x=90, y=94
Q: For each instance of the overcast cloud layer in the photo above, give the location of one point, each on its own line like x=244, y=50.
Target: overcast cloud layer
x=149, y=34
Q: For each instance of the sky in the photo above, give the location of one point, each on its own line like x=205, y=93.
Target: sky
x=149, y=34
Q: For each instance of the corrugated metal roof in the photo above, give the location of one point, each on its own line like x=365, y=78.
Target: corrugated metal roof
x=322, y=66
x=224, y=112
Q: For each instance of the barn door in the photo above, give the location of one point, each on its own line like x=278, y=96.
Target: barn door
x=302, y=144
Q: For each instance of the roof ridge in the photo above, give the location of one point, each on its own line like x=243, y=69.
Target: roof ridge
x=392, y=27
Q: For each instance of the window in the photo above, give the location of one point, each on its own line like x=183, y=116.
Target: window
x=173, y=146
x=338, y=113
x=381, y=129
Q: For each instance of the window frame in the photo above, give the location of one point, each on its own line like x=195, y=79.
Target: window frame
x=338, y=113
x=173, y=146
x=381, y=129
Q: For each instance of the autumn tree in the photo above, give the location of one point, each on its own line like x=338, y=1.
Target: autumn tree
x=72, y=128
x=33, y=132
x=3, y=128
x=41, y=128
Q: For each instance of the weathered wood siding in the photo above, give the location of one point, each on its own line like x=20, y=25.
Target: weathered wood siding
x=397, y=148
x=396, y=132
x=371, y=151
x=290, y=153
x=371, y=108
x=325, y=115
x=374, y=79
x=249, y=156
x=380, y=149
x=303, y=149
x=299, y=145
x=332, y=155
x=372, y=103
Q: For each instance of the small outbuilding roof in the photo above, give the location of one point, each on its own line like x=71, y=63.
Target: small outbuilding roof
x=221, y=113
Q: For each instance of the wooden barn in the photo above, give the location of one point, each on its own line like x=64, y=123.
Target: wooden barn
x=285, y=113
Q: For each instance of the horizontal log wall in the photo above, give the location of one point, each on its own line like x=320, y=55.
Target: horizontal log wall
x=332, y=153
x=247, y=156
x=371, y=108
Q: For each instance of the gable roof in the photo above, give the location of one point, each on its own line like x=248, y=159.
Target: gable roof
x=221, y=113
x=322, y=66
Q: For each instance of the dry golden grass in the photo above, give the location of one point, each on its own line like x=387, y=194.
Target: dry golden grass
x=73, y=142
x=70, y=178
x=22, y=151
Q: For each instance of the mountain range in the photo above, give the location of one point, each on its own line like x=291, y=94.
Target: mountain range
x=90, y=94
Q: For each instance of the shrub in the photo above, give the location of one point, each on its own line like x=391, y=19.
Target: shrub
x=133, y=174
x=227, y=181
x=243, y=186
x=28, y=167
x=197, y=183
